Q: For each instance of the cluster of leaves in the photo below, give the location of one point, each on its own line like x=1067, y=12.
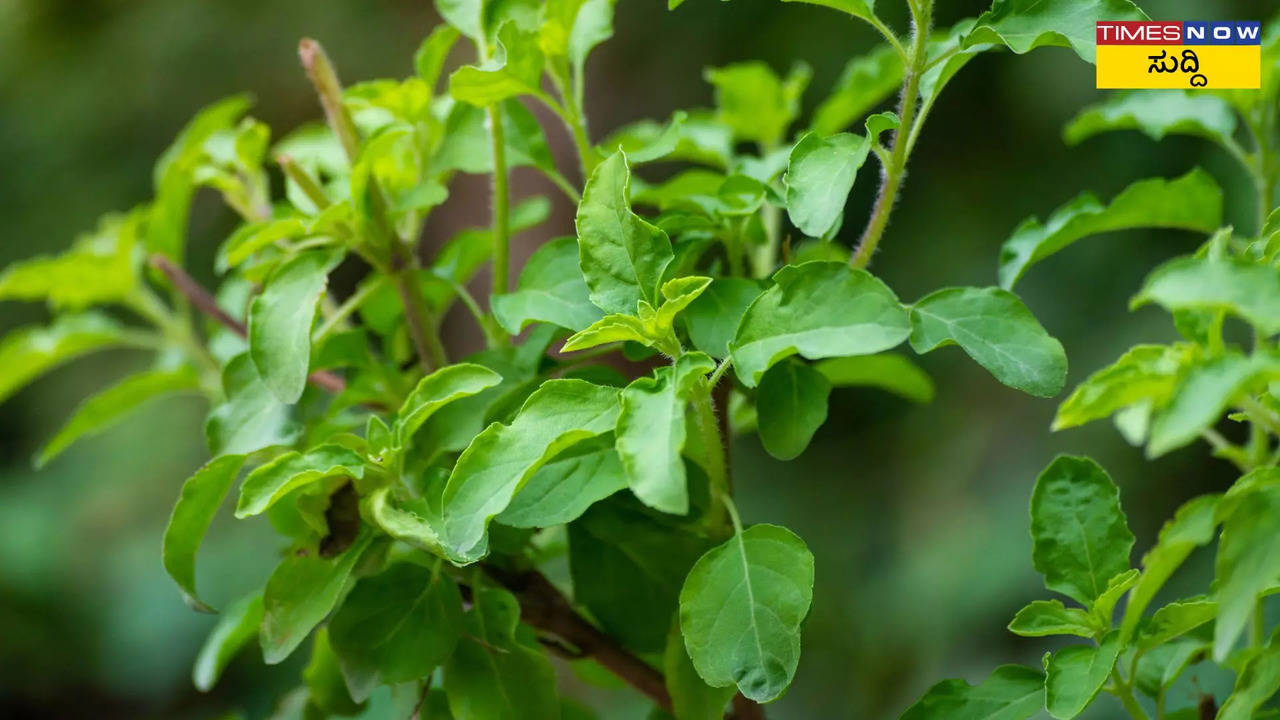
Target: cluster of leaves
x=1163, y=397
x=428, y=507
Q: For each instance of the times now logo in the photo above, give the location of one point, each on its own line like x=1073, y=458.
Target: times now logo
x=1178, y=33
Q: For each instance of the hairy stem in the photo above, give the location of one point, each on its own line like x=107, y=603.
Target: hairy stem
x=891, y=177
x=324, y=78
x=501, y=204
x=204, y=302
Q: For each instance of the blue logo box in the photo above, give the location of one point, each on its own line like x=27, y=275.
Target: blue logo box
x=1222, y=33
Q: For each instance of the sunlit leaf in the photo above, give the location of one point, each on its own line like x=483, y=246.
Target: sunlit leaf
x=501, y=459
x=1024, y=25
x=818, y=310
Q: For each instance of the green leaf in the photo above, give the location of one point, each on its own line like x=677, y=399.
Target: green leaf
x=326, y=690
x=890, y=372
x=1050, y=617
x=653, y=328
x=818, y=310
x=550, y=289
x=99, y=268
x=856, y=8
x=1024, y=25
x=236, y=627
x=502, y=458
x=1174, y=620
x=995, y=329
x=499, y=669
x=1190, y=202
x=252, y=418
x=1191, y=527
x=1160, y=666
x=202, y=493
x=415, y=521
x=560, y=491
x=741, y=608
x=622, y=256
x=592, y=26
x=1246, y=289
x=627, y=566
x=29, y=352
x=865, y=82
x=438, y=390
x=174, y=175
x=292, y=470
x=820, y=174
x=429, y=60
x=699, y=138
x=1011, y=692
x=1204, y=390
x=792, y=405
x=651, y=433
x=396, y=626
x=514, y=70
x=1076, y=674
x=301, y=591
x=1104, y=605
x=1156, y=113
x=712, y=318
x=253, y=237
x=616, y=328
x=1248, y=553
x=280, y=320
x=111, y=405
x=1256, y=683
x=467, y=16
x=753, y=101
x=1079, y=533
x=1144, y=373
x=691, y=698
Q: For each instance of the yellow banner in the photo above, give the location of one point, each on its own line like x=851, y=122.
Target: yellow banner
x=1180, y=66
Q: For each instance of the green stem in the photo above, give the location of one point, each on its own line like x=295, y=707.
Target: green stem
x=501, y=204
x=1125, y=694
x=569, y=109
x=418, y=317
x=890, y=37
x=716, y=456
x=1257, y=625
x=349, y=306
x=307, y=184
x=894, y=171
x=766, y=256
x=325, y=80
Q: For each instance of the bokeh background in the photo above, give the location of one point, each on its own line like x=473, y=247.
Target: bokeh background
x=916, y=514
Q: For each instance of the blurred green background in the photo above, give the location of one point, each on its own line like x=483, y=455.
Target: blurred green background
x=916, y=514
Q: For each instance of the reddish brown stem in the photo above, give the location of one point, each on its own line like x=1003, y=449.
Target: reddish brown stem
x=204, y=302
x=544, y=607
